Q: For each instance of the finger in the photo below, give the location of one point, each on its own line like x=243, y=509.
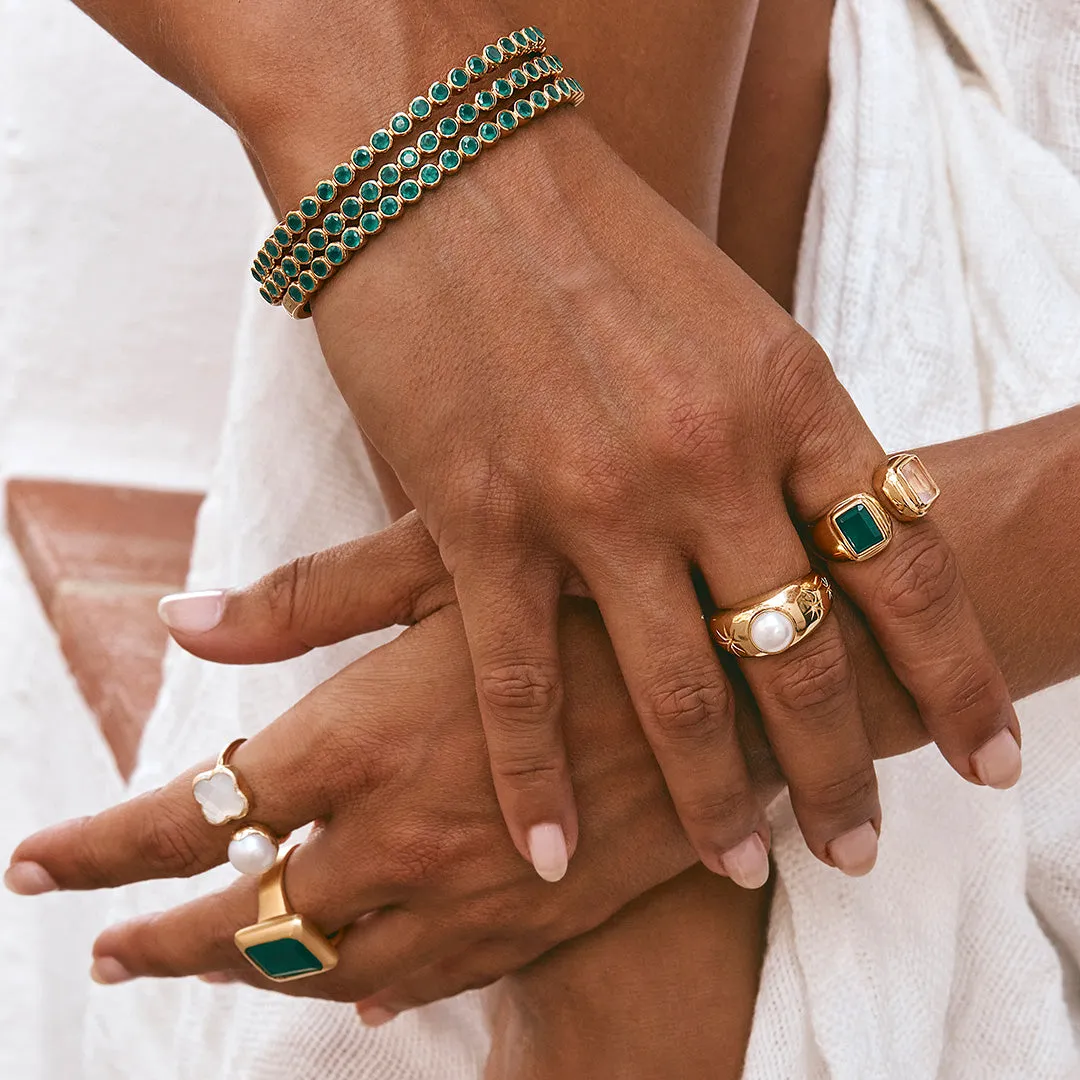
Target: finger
x=511, y=625
x=807, y=695
x=914, y=598
x=686, y=707
x=394, y=576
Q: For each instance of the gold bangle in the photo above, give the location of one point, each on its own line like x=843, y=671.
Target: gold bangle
x=774, y=622
x=853, y=530
x=283, y=945
x=906, y=486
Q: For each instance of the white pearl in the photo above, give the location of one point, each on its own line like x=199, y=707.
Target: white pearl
x=771, y=631
x=252, y=853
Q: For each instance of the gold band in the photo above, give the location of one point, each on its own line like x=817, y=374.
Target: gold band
x=906, y=487
x=283, y=945
x=775, y=622
x=853, y=530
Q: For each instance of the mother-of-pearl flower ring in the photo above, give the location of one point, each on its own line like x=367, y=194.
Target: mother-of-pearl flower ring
x=774, y=622
x=223, y=797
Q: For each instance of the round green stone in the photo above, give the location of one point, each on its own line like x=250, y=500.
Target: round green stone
x=507, y=120
x=283, y=235
x=381, y=140
x=326, y=190
x=302, y=253
x=352, y=238
x=288, y=264
x=335, y=254
x=450, y=160
x=488, y=132
x=523, y=109
x=401, y=123
x=295, y=221
x=370, y=191
x=538, y=100
x=439, y=92
x=306, y=282
x=351, y=208
x=493, y=54
x=469, y=146
x=317, y=239
x=533, y=34
x=458, y=78
x=467, y=113
x=309, y=207
x=409, y=191
x=296, y=294
x=389, y=175
x=320, y=268
x=371, y=223
x=408, y=158
x=477, y=65
x=521, y=40
x=361, y=157
x=502, y=88
x=428, y=142
x=390, y=207
x=508, y=46
x=485, y=100
x=420, y=108
x=280, y=280
x=271, y=249
x=343, y=174
x=334, y=224
x=447, y=127
x=519, y=78
x=430, y=175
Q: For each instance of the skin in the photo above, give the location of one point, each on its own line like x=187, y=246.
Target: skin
x=665, y=415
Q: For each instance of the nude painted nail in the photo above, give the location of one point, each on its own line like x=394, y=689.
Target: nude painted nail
x=193, y=612
x=375, y=1016
x=854, y=852
x=997, y=763
x=108, y=971
x=217, y=978
x=747, y=864
x=547, y=851
x=29, y=879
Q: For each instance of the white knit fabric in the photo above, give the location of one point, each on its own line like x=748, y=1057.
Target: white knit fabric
x=940, y=260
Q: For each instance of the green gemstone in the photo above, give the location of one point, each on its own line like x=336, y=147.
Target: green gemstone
x=335, y=254
x=381, y=140
x=302, y=253
x=272, y=288
x=352, y=238
x=409, y=191
x=538, y=100
x=508, y=46
x=408, y=158
x=309, y=207
x=320, y=268
x=370, y=191
x=507, y=120
x=502, y=88
x=458, y=78
x=467, y=113
x=361, y=157
x=306, y=282
x=469, y=146
x=389, y=175
x=564, y=86
x=401, y=123
x=447, y=127
x=542, y=63
x=450, y=160
x=532, y=34
x=264, y=259
x=553, y=92
x=488, y=132
x=555, y=62
x=351, y=208
x=343, y=174
x=295, y=221
x=317, y=239
x=280, y=280
x=439, y=92
x=859, y=529
x=523, y=109
x=485, y=100
x=326, y=190
x=371, y=223
x=256, y=275
x=271, y=249
x=334, y=224
x=288, y=264
x=283, y=958
x=296, y=293
x=519, y=78
x=428, y=142
x=265, y=294
x=390, y=207
x=531, y=70
x=493, y=54
x=477, y=65
x=521, y=40
x=283, y=235
x=420, y=107
x=430, y=175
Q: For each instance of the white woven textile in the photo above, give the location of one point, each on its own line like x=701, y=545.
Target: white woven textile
x=941, y=244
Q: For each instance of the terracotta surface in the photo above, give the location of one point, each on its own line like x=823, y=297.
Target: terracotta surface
x=100, y=559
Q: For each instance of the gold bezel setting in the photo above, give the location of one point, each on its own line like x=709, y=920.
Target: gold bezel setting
x=903, y=496
x=839, y=532
x=804, y=603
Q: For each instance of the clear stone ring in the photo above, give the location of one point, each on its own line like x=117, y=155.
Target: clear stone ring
x=774, y=622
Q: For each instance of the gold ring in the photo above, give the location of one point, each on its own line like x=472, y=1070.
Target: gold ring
x=283, y=945
x=223, y=797
x=773, y=623
x=906, y=486
x=853, y=530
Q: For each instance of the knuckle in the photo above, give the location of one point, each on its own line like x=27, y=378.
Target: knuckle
x=814, y=682
x=974, y=687
x=921, y=579
x=285, y=589
x=524, y=774
x=690, y=431
x=596, y=483
x=839, y=798
x=169, y=842
x=726, y=812
x=522, y=690
x=696, y=711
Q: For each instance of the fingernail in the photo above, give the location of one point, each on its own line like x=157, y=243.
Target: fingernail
x=29, y=879
x=108, y=972
x=547, y=851
x=375, y=1016
x=217, y=978
x=854, y=852
x=997, y=763
x=747, y=864
x=192, y=612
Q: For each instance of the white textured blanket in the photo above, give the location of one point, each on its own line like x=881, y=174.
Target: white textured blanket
x=940, y=256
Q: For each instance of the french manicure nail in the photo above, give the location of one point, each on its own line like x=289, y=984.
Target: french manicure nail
x=747, y=864
x=854, y=852
x=193, y=612
x=997, y=763
x=29, y=879
x=547, y=851
x=108, y=971
x=375, y=1016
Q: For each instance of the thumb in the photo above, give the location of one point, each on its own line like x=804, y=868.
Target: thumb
x=391, y=577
